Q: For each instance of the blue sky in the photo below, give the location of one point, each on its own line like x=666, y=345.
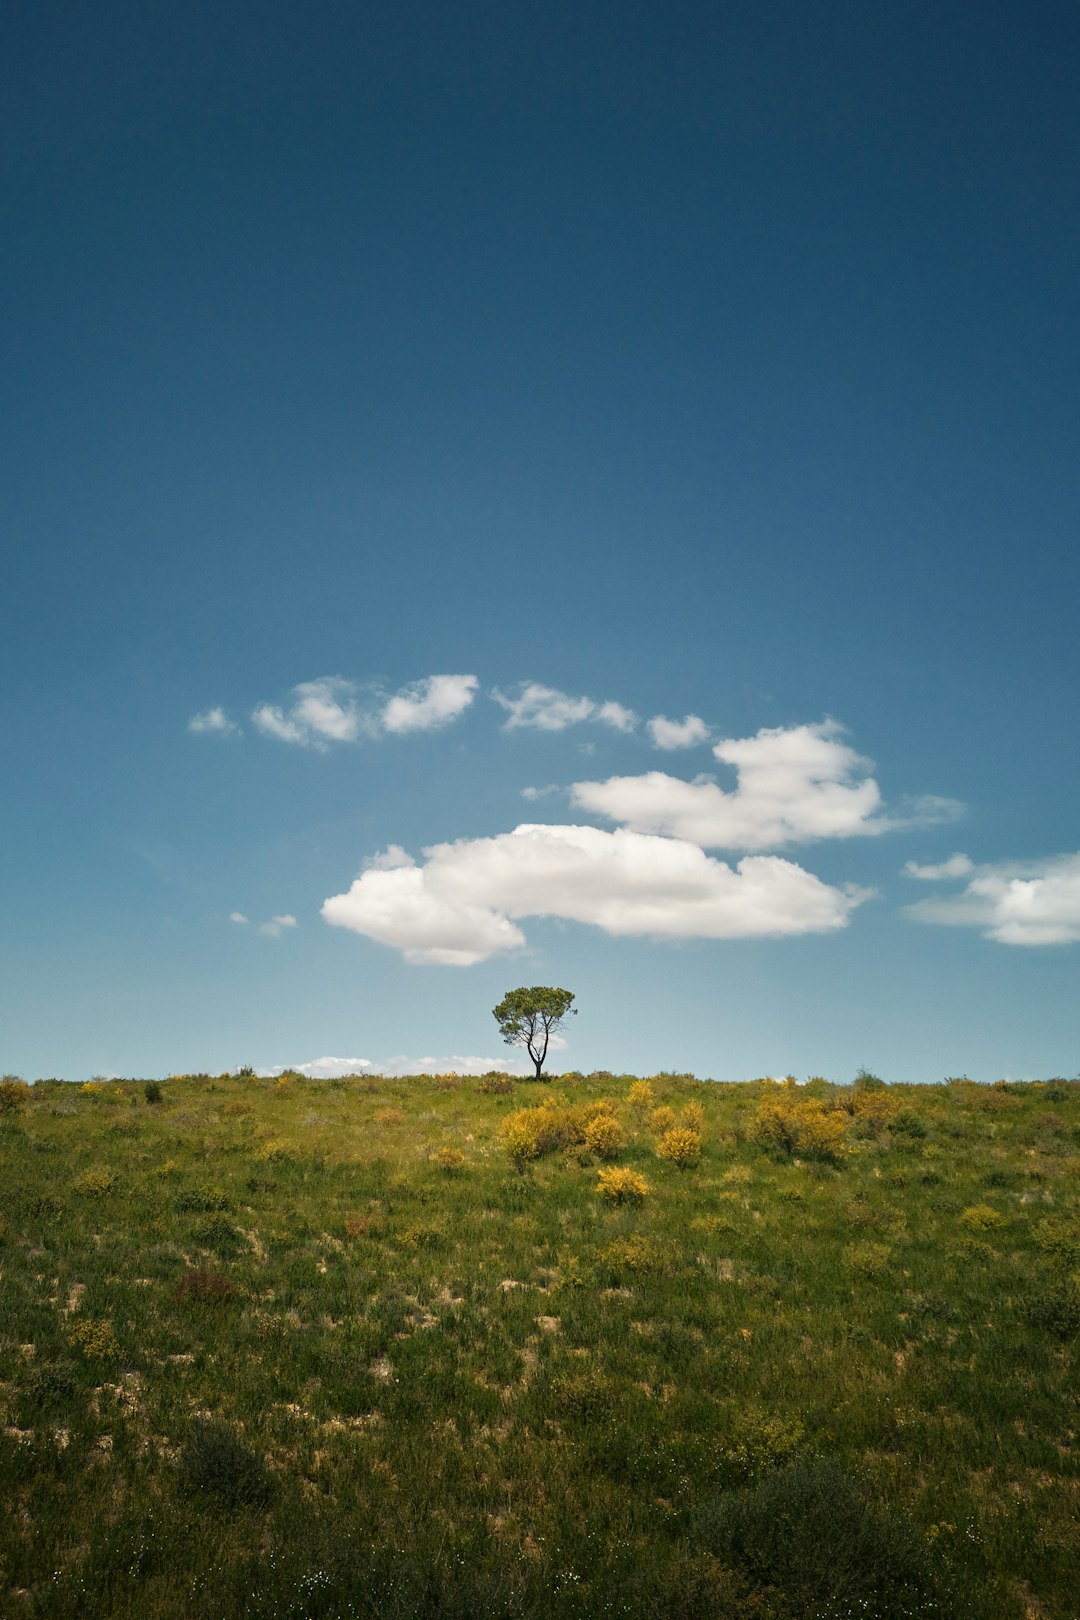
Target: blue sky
x=370, y=372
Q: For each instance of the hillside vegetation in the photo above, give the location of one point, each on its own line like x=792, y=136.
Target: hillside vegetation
x=457, y=1347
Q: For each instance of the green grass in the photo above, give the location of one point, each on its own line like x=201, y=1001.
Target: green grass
x=325, y=1349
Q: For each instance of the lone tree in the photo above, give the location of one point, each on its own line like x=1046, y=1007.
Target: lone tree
x=529, y=1018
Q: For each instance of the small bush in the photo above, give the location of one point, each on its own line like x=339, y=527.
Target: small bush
x=208, y=1287
x=680, y=1146
x=449, y=1159
x=390, y=1116
x=276, y=1151
x=1059, y=1238
x=202, y=1200
x=95, y=1338
x=759, y=1439
x=693, y=1116
x=981, y=1218
x=14, y=1092
x=801, y=1126
x=359, y=1225
x=49, y=1387
x=813, y=1530
x=495, y=1083
x=95, y=1183
x=641, y=1096
x=1054, y=1307
x=636, y=1253
x=663, y=1119
x=425, y=1235
x=622, y=1186
x=906, y=1122
x=215, y=1462
x=152, y=1091
x=603, y=1136
x=215, y=1232
x=590, y=1395
x=867, y=1259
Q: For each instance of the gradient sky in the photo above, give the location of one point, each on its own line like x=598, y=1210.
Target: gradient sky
x=367, y=366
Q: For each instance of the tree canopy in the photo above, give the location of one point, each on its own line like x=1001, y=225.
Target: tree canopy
x=529, y=1018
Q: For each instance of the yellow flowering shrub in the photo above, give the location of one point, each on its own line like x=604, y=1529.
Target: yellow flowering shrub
x=603, y=1136
x=621, y=1186
x=799, y=1125
x=680, y=1146
x=663, y=1119
x=641, y=1096
x=450, y=1159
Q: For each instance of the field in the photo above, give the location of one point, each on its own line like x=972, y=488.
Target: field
x=385, y=1348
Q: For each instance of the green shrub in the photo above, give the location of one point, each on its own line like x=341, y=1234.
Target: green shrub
x=152, y=1091
x=1054, y=1307
x=95, y=1183
x=14, y=1092
x=215, y=1232
x=202, y=1200
x=813, y=1531
x=981, y=1218
x=214, y=1461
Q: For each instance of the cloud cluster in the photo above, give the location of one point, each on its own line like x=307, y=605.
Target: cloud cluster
x=429, y=703
x=329, y=710
x=273, y=929
x=463, y=904
x=1013, y=902
x=672, y=734
x=330, y=1068
x=214, y=722
x=793, y=786
x=542, y=708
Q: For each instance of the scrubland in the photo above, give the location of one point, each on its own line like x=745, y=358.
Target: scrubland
x=463, y=1348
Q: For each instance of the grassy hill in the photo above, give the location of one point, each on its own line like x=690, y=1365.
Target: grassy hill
x=386, y=1348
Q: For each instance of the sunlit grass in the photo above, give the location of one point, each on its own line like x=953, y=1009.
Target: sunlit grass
x=388, y=1347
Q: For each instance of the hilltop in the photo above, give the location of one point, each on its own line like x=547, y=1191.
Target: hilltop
x=475, y=1347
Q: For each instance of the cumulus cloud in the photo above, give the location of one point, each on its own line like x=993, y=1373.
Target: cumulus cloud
x=328, y=710
x=793, y=785
x=429, y=703
x=544, y=709
x=462, y=905
x=1013, y=902
x=539, y=792
x=277, y=925
x=672, y=734
x=272, y=929
x=322, y=711
x=214, y=722
x=955, y=866
x=330, y=1068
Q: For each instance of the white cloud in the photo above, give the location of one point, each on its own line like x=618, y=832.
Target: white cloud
x=322, y=711
x=215, y=721
x=277, y=926
x=794, y=785
x=544, y=709
x=325, y=1068
x=955, y=866
x=1013, y=902
x=615, y=715
x=329, y=1068
x=671, y=734
x=237, y=917
x=328, y=710
x=429, y=703
x=461, y=906
x=539, y=792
